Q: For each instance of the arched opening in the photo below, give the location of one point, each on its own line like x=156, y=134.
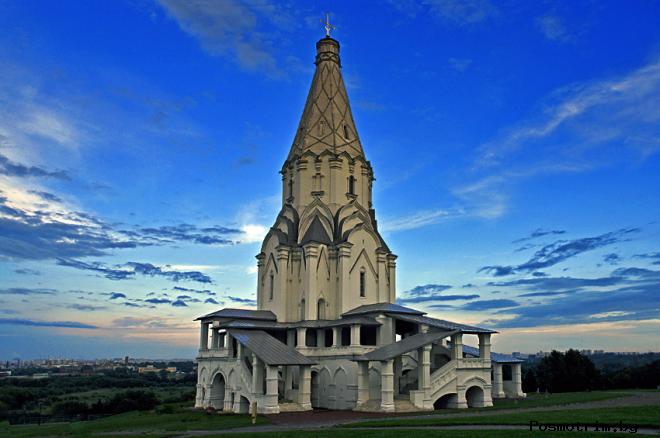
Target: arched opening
x=446, y=401
x=217, y=399
x=320, y=309
x=347, y=133
x=341, y=390
x=315, y=390
x=243, y=406
x=474, y=397
x=302, y=309
x=271, y=285
x=363, y=283
x=351, y=185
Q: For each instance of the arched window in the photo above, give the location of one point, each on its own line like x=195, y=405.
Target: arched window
x=271, y=286
x=347, y=133
x=351, y=185
x=363, y=284
x=320, y=309
x=302, y=309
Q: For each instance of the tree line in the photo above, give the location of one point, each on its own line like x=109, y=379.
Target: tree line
x=572, y=371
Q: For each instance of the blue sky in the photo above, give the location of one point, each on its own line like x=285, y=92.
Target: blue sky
x=516, y=147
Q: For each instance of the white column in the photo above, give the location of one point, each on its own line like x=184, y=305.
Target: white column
x=301, y=333
x=383, y=281
x=228, y=407
x=398, y=366
x=199, y=396
x=424, y=373
x=363, y=383
x=305, y=387
x=271, y=405
x=385, y=330
x=498, y=388
x=484, y=346
x=387, y=386
x=355, y=335
x=516, y=376
x=257, y=375
x=336, y=336
x=460, y=402
x=457, y=346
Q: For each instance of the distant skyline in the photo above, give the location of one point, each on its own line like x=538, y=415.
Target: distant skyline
x=516, y=149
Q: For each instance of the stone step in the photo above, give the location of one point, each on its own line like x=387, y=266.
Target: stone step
x=404, y=405
x=290, y=407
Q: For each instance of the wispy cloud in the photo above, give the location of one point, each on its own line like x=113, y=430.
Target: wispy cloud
x=27, y=291
x=416, y=220
x=244, y=31
x=622, y=111
x=553, y=28
x=130, y=269
x=34, y=323
x=539, y=232
x=11, y=168
x=462, y=12
x=559, y=251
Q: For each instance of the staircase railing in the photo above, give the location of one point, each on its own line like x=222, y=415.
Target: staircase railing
x=443, y=375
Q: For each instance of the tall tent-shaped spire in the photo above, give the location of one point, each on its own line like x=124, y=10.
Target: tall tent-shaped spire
x=327, y=122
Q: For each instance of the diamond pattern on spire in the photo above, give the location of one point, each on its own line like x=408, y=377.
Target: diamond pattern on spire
x=327, y=102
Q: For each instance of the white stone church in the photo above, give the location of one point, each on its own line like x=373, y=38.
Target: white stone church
x=327, y=332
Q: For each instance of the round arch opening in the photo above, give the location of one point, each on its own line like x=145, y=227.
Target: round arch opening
x=217, y=396
x=475, y=397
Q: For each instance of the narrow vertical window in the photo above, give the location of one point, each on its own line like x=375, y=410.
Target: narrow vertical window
x=271, y=286
x=321, y=128
x=351, y=185
x=346, y=133
x=363, y=285
x=291, y=188
x=302, y=309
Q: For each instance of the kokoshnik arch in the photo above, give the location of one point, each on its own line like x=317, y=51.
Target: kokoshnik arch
x=327, y=332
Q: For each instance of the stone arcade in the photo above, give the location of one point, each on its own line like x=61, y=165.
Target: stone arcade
x=327, y=332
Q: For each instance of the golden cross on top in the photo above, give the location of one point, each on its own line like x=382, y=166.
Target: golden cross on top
x=328, y=26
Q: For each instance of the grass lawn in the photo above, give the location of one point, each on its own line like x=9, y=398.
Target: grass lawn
x=535, y=400
x=149, y=423
x=636, y=415
x=402, y=433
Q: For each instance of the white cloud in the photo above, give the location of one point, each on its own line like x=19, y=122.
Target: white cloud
x=552, y=27
x=416, y=220
x=253, y=233
x=625, y=110
x=50, y=125
x=242, y=30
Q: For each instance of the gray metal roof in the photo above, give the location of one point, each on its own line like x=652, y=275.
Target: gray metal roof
x=252, y=324
x=265, y=315
x=494, y=357
x=273, y=325
x=382, y=308
x=363, y=320
x=269, y=349
x=444, y=325
x=405, y=345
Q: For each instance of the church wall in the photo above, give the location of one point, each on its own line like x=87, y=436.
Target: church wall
x=337, y=384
